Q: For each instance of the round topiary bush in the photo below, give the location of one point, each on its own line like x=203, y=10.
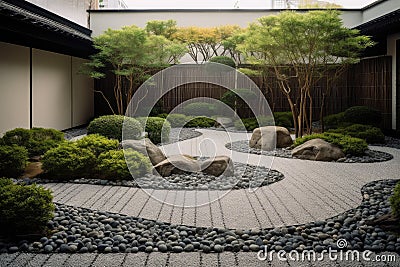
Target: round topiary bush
x=177, y=120
x=157, y=129
x=68, y=161
x=223, y=60
x=349, y=145
x=249, y=124
x=363, y=115
x=13, y=160
x=112, y=165
x=111, y=126
x=283, y=119
x=370, y=134
x=24, y=209
x=199, y=109
x=97, y=144
x=334, y=121
x=200, y=122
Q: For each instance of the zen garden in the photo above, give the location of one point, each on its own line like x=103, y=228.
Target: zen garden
x=247, y=149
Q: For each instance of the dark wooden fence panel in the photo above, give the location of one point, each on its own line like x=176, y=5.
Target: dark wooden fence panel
x=366, y=83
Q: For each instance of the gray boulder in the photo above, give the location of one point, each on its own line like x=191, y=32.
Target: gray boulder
x=218, y=166
x=318, y=149
x=270, y=137
x=177, y=164
x=147, y=148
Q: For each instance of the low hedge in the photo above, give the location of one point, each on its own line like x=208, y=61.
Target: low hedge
x=111, y=126
x=284, y=119
x=349, y=145
x=112, y=165
x=199, y=109
x=228, y=61
x=354, y=115
x=24, y=209
x=363, y=115
x=370, y=134
x=97, y=144
x=249, y=124
x=157, y=129
x=395, y=201
x=36, y=140
x=13, y=160
x=68, y=161
x=177, y=120
x=200, y=122
x=235, y=98
x=335, y=121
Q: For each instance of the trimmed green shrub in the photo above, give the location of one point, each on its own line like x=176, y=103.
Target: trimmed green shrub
x=111, y=126
x=249, y=124
x=24, y=209
x=395, y=200
x=36, y=140
x=372, y=135
x=68, y=161
x=232, y=97
x=349, y=145
x=199, y=109
x=111, y=165
x=334, y=121
x=200, y=122
x=177, y=120
x=18, y=136
x=13, y=160
x=363, y=115
x=97, y=143
x=157, y=129
x=163, y=115
x=44, y=139
x=223, y=60
x=284, y=119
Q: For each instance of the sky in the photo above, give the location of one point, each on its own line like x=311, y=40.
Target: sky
x=218, y=4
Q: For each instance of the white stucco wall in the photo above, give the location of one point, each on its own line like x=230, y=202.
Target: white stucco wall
x=61, y=97
x=14, y=87
x=51, y=86
x=82, y=94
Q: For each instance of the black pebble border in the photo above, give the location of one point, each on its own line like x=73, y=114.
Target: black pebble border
x=83, y=230
x=370, y=156
x=245, y=176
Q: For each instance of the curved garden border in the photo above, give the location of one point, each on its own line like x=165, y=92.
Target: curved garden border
x=84, y=230
x=370, y=156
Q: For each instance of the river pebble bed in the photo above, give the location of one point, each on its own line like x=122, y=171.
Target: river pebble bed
x=369, y=156
x=83, y=230
x=245, y=176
